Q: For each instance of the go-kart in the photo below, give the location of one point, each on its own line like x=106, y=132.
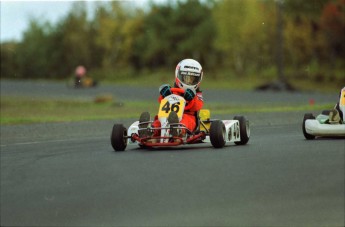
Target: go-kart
x=85, y=82
x=218, y=132
x=320, y=126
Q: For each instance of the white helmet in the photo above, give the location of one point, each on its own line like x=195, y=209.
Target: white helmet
x=188, y=74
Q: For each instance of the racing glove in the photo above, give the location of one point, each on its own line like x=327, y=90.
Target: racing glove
x=165, y=90
x=189, y=94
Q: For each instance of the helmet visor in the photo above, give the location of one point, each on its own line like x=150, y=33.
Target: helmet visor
x=189, y=78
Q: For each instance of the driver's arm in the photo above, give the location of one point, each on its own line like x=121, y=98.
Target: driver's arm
x=198, y=102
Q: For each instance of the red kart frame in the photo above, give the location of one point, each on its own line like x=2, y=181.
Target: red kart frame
x=175, y=140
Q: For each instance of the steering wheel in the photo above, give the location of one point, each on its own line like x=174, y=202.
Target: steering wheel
x=180, y=91
x=177, y=90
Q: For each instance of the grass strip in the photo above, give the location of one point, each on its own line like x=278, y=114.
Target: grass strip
x=24, y=110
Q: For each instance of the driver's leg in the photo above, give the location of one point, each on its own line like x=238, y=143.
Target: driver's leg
x=156, y=124
x=341, y=114
x=189, y=121
x=334, y=117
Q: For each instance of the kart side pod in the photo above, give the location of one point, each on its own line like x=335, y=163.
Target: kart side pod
x=236, y=131
x=312, y=127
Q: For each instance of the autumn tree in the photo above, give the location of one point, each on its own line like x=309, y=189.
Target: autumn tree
x=245, y=33
x=33, y=54
x=176, y=31
x=73, y=39
x=332, y=22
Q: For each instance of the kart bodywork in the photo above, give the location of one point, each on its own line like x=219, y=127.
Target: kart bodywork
x=218, y=132
x=85, y=82
x=320, y=127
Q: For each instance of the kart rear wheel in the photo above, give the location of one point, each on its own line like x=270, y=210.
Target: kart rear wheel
x=244, y=130
x=217, y=134
x=119, y=137
x=307, y=116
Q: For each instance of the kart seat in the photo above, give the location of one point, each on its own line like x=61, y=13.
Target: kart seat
x=202, y=115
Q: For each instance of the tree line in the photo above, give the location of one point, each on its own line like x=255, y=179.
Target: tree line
x=239, y=37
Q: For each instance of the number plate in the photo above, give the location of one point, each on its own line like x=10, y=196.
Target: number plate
x=171, y=103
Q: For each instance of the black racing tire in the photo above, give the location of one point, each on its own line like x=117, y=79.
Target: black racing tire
x=244, y=130
x=119, y=137
x=217, y=134
x=307, y=116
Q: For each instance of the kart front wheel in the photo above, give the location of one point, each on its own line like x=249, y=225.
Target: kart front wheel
x=119, y=137
x=217, y=134
x=244, y=130
x=308, y=136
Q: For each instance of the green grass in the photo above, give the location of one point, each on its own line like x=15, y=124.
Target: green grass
x=215, y=80
x=17, y=110
x=24, y=110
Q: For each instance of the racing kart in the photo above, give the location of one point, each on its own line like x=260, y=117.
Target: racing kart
x=320, y=126
x=217, y=132
x=85, y=82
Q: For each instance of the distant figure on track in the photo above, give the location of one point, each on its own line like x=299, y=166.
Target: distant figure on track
x=80, y=73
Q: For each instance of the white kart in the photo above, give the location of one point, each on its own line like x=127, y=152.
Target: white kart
x=320, y=127
x=218, y=132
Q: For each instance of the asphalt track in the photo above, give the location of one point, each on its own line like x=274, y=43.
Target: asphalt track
x=66, y=174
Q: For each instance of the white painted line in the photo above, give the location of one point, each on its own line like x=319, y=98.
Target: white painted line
x=50, y=141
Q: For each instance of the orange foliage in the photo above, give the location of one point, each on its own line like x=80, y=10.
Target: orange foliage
x=333, y=17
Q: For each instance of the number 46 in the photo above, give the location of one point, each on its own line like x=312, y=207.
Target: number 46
x=174, y=107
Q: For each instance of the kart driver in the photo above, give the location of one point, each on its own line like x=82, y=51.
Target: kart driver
x=188, y=76
x=79, y=73
x=336, y=116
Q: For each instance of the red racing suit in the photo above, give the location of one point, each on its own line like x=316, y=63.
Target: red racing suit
x=189, y=115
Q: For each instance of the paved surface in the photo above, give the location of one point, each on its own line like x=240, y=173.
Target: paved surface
x=121, y=93
x=278, y=179
x=63, y=174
